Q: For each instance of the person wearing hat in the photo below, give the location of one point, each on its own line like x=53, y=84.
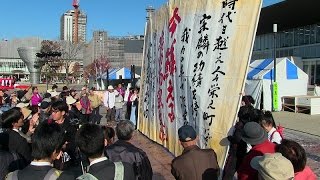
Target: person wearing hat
x=194, y=163
x=45, y=108
x=109, y=99
x=74, y=113
x=273, y=167
x=55, y=96
x=257, y=137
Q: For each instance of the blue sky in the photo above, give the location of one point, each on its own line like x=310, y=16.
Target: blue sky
x=41, y=18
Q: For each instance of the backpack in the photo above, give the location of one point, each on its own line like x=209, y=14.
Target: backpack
x=52, y=174
x=118, y=174
x=280, y=130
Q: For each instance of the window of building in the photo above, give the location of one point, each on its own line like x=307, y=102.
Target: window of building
x=312, y=34
x=289, y=37
x=290, y=52
x=313, y=52
x=307, y=52
x=296, y=37
x=305, y=67
x=307, y=34
x=318, y=33
x=301, y=36
x=317, y=50
x=312, y=73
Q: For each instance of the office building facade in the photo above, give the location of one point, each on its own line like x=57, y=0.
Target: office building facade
x=298, y=35
x=121, y=51
x=67, y=24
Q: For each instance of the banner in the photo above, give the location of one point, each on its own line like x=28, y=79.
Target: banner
x=275, y=97
x=196, y=55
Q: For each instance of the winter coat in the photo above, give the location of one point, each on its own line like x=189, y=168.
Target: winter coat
x=126, y=152
x=195, y=163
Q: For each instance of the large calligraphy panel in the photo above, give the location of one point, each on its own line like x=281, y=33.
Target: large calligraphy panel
x=196, y=55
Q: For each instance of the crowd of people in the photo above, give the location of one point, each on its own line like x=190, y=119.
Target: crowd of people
x=57, y=135
x=259, y=150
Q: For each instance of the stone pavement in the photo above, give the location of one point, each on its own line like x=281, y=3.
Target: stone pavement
x=302, y=128
x=308, y=124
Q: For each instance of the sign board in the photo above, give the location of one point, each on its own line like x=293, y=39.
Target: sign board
x=275, y=96
x=196, y=55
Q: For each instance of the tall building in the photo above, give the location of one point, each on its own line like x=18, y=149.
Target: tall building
x=125, y=51
x=298, y=35
x=67, y=23
x=100, y=44
x=133, y=52
x=120, y=51
x=116, y=52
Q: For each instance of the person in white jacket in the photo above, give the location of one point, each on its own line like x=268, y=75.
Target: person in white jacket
x=109, y=99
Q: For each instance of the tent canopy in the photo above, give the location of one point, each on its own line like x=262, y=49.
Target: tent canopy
x=290, y=78
x=264, y=69
x=115, y=73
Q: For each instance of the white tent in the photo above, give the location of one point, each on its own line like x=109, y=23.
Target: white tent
x=125, y=73
x=290, y=78
x=115, y=73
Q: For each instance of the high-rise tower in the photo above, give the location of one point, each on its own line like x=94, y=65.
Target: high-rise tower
x=75, y=4
x=73, y=25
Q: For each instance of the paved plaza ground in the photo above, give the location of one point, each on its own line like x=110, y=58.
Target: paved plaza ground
x=303, y=128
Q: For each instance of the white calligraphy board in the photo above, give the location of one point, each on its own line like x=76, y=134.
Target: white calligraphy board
x=196, y=55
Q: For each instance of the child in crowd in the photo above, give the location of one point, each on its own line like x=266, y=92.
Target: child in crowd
x=269, y=125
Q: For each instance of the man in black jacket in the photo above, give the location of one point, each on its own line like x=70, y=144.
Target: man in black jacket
x=10, y=161
x=123, y=150
x=12, y=121
x=90, y=140
x=47, y=142
x=59, y=116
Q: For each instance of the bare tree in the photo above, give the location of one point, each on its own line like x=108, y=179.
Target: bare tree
x=71, y=53
x=97, y=68
x=75, y=69
x=50, y=59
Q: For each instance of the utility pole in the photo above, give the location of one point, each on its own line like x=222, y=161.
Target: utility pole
x=275, y=102
x=275, y=29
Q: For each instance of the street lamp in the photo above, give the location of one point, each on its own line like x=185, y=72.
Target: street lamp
x=44, y=58
x=275, y=84
x=275, y=29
